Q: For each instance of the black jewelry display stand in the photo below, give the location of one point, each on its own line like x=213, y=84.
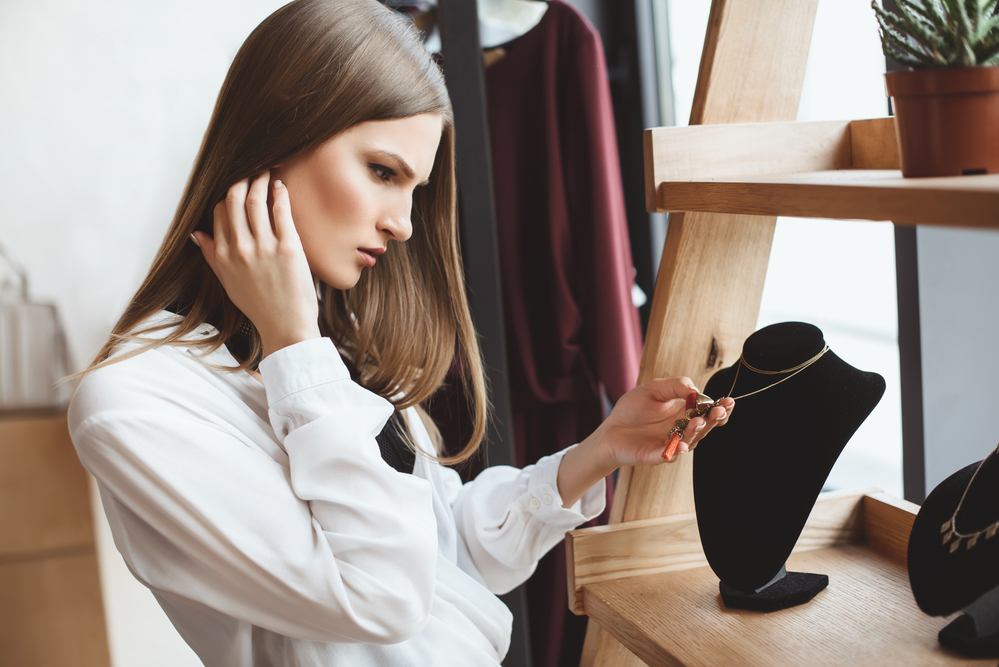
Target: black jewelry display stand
x=757, y=478
x=944, y=580
x=975, y=633
x=787, y=589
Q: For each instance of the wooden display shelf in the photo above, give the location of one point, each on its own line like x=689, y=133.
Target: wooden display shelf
x=662, y=601
x=644, y=580
x=838, y=169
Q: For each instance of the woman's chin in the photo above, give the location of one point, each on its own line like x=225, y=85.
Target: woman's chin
x=341, y=281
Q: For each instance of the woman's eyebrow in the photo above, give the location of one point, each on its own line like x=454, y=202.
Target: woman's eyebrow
x=403, y=165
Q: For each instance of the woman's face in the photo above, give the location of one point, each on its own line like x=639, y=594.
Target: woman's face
x=354, y=193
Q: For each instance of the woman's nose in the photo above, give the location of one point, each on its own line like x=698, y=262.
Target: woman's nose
x=398, y=223
x=399, y=227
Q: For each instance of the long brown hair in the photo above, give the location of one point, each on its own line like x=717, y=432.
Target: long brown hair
x=311, y=70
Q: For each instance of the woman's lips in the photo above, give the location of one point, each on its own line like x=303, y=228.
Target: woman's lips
x=370, y=255
x=366, y=257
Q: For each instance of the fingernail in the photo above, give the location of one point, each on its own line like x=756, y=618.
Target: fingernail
x=278, y=184
x=195, y=239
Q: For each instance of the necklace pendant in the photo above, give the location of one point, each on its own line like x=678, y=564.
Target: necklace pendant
x=698, y=405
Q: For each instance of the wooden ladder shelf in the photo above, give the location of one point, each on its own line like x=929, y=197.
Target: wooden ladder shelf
x=742, y=162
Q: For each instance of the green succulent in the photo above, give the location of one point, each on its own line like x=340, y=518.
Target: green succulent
x=941, y=33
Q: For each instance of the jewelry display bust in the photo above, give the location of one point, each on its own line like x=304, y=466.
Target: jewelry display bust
x=757, y=478
x=953, y=552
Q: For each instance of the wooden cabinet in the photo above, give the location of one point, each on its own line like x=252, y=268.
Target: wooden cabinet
x=51, y=611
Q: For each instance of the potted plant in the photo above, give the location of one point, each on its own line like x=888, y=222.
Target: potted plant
x=947, y=105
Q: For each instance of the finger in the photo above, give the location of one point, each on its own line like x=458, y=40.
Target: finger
x=726, y=404
x=671, y=455
x=284, y=226
x=717, y=416
x=207, y=245
x=664, y=390
x=235, y=209
x=695, y=430
x=258, y=219
x=220, y=224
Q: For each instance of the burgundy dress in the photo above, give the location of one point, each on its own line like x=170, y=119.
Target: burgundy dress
x=572, y=330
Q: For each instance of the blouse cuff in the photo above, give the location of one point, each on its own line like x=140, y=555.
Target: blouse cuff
x=303, y=365
x=308, y=381
x=543, y=501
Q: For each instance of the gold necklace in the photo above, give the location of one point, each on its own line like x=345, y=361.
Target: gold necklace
x=699, y=404
x=793, y=371
x=950, y=528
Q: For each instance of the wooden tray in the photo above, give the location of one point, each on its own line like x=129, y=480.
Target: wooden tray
x=647, y=584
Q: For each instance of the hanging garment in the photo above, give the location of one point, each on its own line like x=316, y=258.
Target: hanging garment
x=572, y=329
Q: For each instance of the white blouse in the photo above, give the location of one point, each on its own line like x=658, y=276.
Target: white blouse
x=266, y=524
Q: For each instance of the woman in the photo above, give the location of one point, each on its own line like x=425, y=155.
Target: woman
x=249, y=482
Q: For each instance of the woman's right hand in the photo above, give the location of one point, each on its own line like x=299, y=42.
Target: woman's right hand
x=261, y=264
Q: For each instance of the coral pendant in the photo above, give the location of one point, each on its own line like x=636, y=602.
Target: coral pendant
x=670, y=451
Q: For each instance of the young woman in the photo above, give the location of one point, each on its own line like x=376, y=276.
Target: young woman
x=253, y=422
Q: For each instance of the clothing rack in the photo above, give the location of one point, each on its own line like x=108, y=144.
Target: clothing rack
x=458, y=21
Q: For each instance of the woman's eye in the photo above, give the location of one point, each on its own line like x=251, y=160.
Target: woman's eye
x=381, y=172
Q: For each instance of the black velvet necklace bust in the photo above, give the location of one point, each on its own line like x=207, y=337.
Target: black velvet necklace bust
x=944, y=581
x=757, y=478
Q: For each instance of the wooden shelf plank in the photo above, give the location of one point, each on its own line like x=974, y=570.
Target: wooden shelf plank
x=828, y=169
x=666, y=544
x=966, y=201
x=667, y=610
x=867, y=616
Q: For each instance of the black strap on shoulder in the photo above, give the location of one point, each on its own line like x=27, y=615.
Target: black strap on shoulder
x=391, y=440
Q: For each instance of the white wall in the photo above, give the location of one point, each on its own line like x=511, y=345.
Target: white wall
x=838, y=275
x=102, y=111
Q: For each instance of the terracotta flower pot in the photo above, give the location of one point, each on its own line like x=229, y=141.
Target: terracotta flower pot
x=946, y=120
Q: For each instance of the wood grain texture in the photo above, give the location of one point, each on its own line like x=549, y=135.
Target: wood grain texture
x=874, y=144
x=866, y=616
x=713, y=266
x=601, y=645
x=755, y=151
x=753, y=61
x=44, y=501
x=887, y=525
x=712, y=270
x=706, y=303
x=51, y=613
x=745, y=150
x=667, y=544
x=961, y=201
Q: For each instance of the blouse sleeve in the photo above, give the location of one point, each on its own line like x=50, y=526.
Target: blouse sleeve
x=510, y=518
x=336, y=546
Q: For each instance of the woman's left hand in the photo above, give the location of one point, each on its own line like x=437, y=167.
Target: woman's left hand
x=636, y=433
